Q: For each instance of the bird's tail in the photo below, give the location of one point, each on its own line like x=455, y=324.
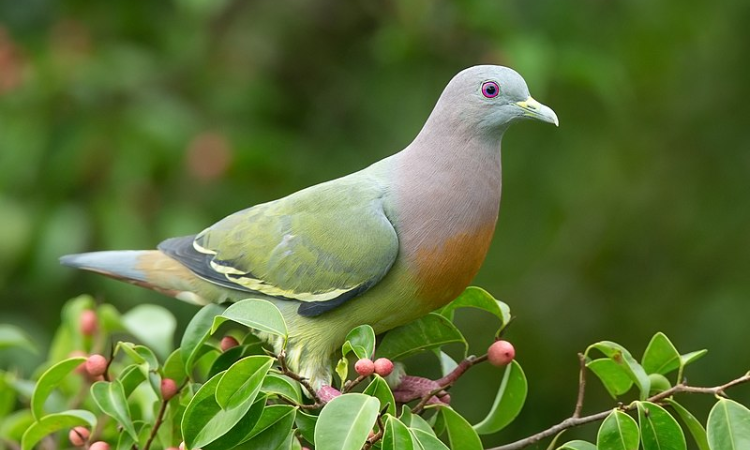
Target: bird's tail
x=151, y=269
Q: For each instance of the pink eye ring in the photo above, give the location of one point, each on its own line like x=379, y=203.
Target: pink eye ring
x=490, y=89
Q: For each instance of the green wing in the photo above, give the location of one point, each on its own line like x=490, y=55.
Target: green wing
x=320, y=246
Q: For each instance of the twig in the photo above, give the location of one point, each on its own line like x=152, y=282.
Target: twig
x=572, y=422
x=426, y=398
x=160, y=416
x=350, y=384
x=281, y=357
x=581, y=385
x=381, y=430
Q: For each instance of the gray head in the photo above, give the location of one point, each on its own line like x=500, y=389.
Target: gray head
x=488, y=98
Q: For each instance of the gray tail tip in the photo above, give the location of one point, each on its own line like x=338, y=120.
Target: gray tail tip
x=71, y=260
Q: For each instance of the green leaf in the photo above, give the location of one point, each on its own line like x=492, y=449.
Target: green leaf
x=138, y=353
x=431, y=331
x=618, y=432
x=691, y=357
x=476, y=297
x=345, y=422
x=226, y=359
x=306, y=425
x=153, y=325
x=509, y=400
x=15, y=424
x=242, y=381
x=659, y=430
x=379, y=389
x=254, y=313
x=361, y=341
x=577, y=445
x=460, y=433
x=622, y=356
x=49, y=380
x=342, y=369
x=728, y=426
x=694, y=426
x=614, y=377
x=131, y=377
x=12, y=336
x=415, y=421
x=272, y=429
x=204, y=420
x=196, y=334
x=396, y=435
x=174, y=368
x=447, y=364
x=660, y=356
x=241, y=432
x=56, y=422
x=281, y=385
x=427, y=441
x=110, y=397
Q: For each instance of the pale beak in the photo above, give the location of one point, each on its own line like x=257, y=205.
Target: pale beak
x=535, y=110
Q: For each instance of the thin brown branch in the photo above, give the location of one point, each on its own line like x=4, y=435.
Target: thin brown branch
x=572, y=422
x=581, y=385
x=281, y=357
x=157, y=424
x=379, y=435
x=350, y=384
x=160, y=416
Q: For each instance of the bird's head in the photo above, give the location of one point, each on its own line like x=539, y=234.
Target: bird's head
x=491, y=97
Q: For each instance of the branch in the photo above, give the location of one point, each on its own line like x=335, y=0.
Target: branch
x=160, y=416
x=581, y=385
x=573, y=421
x=281, y=357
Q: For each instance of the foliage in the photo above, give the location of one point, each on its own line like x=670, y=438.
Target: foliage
x=245, y=397
x=126, y=122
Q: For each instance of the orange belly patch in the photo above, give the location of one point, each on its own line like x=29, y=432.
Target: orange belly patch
x=443, y=272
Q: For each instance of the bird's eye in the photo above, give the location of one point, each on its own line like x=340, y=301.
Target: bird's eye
x=490, y=89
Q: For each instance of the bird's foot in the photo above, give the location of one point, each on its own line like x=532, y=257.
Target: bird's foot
x=327, y=393
x=413, y=388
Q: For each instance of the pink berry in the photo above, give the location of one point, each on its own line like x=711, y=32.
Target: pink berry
x=96, y=365
x=168, y=388
x=501, y=353
x=78, y=436
x=364, y=367
x=99, y=445
x=228, y=342
x=383, y=367
x=88, y=322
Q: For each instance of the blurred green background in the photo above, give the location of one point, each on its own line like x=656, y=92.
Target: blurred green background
x=125, y=122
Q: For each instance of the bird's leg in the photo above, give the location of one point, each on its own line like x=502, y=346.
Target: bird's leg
x=411, y=388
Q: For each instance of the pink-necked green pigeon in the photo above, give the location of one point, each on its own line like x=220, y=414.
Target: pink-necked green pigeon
x=382, y=246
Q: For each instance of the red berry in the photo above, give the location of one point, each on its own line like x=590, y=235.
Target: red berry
x=168, y=388
x=78, y=436
x=88, y=323
x=364, y=367
x=383, y=367
x=228, y=342
x=501, y=353
x=99, y=445
x=96, y=365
